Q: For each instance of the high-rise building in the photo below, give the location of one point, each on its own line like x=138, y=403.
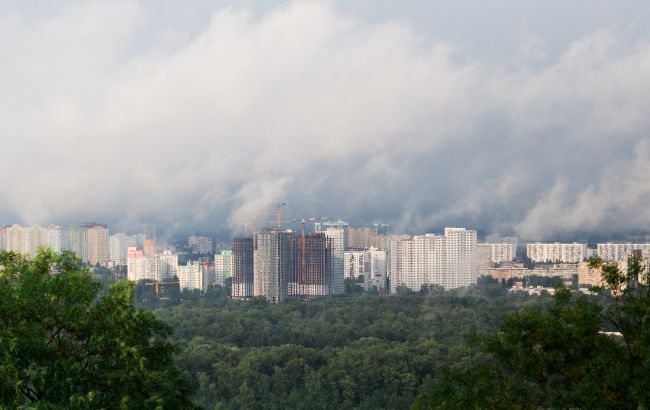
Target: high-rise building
x=449, y=260
x=98, y=245
x=375, y=276
x=166, y=265
x=312, y=266
x=242, y=268
x=34, y=238
x=337, y=235
x=78, y=241
x=15, y=238
x=618, y=251
x=354, y=263
x=119, y=245
x=3, y=238
x=362, y=238
x=200, y=244
x=56, y=238
x=556, y=252
x=140, y=266
x=274, y=264
x=191, y=276
x=223, y=266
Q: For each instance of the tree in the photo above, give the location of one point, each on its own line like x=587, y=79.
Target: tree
x=561, y=356
x=65, y=345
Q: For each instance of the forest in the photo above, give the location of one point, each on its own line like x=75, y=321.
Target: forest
x=73, y=337
x=354, y=351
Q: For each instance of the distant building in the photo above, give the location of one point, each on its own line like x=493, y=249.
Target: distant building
x=449, y=260
x=273, y=264
x=200, y=244
x=618, y=251
x=312, y=271
x=119, y=245
x=56, y=238
x=3, y=238
x=97, y=242
x=14, y=238
x=77, y=238
x=191, y=276
x=166, y=265
x=223, y=266
x=376, y=270
x=354, y=263
x=556, y=252
x=242, y=268
x=337, y=235
x=140, y=266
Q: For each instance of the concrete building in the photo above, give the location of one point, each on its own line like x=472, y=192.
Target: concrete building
x=3, y=238
x=98, y=246
x=56, y=238
x=337, y=237
x=242, y=268
x=191, y=276
x=200, y=244
x=556, y=252
x=376, y=270
x=449, y=260
x=166, y=265
x=119, y=245
x=223, y=267
x=78, y=241
x=140, y=266
x=354, y=263
x=14, y=238
x=274, y=264
x=312, y=267
x=619, y=251
x=483, y=258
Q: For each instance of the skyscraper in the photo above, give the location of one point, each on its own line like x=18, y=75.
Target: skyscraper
x=98, y=245
x=223, y=266
x=337, y=236
x=56, y=238
x=78, y=241
x=312, y=264
x=273, y=264
x=242, y=268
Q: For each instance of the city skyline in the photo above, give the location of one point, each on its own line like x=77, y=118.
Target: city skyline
x=421, y=115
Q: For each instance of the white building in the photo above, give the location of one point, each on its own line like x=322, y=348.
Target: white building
x=354, y=264
x=166, y=265
x=200, y=244
x=449, y=260
x=3, y=238
x=77, y=240
x=119, y=246
x=337, y=236
x=56, y=238
x=556, y=252
x=223, y=267
x=140, y=266
x=376, y=270
x=191, y=276
x=15, y=238
x=618, y=251
x=272, y=264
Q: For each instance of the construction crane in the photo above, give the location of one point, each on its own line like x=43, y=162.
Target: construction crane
x=157, y=284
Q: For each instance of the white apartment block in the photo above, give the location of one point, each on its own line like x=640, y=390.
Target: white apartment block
x=337, y=236
x=272, y=264
x=354, y=264
x=376, y=271
x=56, y=238
x=140, y=266
x=3, y=238
x=556, y=252
x=200, y=244
x=191, y=276
x=119, y=246
x=618, y=251
x=449, y=260
x=166, y=265
x=222, y=267
x=98, y=245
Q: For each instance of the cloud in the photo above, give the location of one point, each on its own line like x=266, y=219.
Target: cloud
x=315, y=107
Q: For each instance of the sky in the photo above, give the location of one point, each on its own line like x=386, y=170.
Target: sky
x=524, y=118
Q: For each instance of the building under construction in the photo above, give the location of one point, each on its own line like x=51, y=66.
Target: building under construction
x=242, y=268
x=313, y=274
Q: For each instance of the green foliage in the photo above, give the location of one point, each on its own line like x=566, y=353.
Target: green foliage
x=558, y=356
x=63, y=345
x=354, y=351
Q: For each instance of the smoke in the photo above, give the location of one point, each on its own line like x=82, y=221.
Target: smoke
x=336, y=116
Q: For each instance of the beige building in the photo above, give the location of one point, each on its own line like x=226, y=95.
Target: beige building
x=98, y=244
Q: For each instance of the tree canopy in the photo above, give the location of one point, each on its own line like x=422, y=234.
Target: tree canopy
x=65, y=344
